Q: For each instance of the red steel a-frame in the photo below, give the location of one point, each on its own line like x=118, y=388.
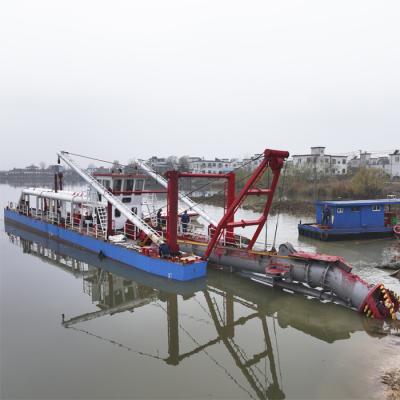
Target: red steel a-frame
x=273, y=159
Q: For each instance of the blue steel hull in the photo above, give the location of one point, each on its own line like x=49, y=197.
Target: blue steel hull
x=155, y=266
x=310, y=230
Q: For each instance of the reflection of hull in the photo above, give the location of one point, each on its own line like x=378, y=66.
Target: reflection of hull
x=317, y=275
x=108, y=264
x=155, y=266
x=327, y=322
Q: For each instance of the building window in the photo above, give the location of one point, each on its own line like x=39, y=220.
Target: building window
x=343, y=171
x=355, y=209
x=343, y=161
x=339, y=210
x=376, y=208
x=333, y=160
x=397, y=159
x=126, y=199
x=117, y=213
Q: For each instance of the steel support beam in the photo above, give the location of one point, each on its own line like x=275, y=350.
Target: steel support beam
x=172, y=211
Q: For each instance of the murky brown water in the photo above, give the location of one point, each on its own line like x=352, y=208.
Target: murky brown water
x=127, y=336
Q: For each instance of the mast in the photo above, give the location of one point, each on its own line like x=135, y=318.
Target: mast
x=131, y=216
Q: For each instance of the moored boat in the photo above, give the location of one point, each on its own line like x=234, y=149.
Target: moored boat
x=353, y=219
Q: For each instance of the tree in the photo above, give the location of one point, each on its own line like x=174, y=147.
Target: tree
x=368, y=182
x=116, y=166
x=172, y=162
x=183, y=164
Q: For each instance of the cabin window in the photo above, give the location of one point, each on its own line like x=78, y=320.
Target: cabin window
x=129, y=185
x=126, y=199
x=134, y=210
x=376, y=208
x=355, y=209
x=117, y=213
x=339, y=210
x=139, y=184
x=117, y=185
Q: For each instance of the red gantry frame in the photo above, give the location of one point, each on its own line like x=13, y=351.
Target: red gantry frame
x=273, y=159
x=173, y=197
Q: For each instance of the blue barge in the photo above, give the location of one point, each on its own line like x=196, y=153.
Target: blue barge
x=154, y=265
x=353, y=219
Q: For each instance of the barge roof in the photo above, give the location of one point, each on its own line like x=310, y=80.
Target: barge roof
x=349, y=203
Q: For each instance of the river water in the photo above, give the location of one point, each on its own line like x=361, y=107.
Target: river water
x=75, y=326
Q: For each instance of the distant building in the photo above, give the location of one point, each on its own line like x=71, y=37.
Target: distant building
x=253, y=162
x=216, y=166
x=321, y=163
x=389, y=164
x=158, y=164
x=393, y=168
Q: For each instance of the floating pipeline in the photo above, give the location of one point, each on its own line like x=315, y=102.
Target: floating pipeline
x=325, y=277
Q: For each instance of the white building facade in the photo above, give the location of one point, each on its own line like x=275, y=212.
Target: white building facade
x=216, y=166
x=320, y=162
x=393, y=168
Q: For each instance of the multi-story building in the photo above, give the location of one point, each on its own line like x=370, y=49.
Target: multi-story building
x=389, y=164
x=253, y=162
x=216, y=166
x=320, y=162
x=393, y=168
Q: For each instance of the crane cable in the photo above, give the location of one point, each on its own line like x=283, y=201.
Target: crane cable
x=281, y=190
x=188, y=193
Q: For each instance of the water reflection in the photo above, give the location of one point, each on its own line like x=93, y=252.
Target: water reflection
x=228, y=302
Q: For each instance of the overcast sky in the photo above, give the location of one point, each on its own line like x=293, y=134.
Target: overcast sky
x=118, y=79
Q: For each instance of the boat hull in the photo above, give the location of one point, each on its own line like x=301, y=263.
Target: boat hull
x=155, y=266
x=333, y=234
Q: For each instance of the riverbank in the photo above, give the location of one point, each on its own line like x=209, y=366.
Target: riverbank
x=391, y=380
x=292, y=207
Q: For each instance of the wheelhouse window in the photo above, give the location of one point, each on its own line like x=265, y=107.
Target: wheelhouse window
x=129, y=185
x=339, y=210
x=117, y=185
x=106, y=183
x=139, y=184
x=376, y=208
x=355, y=209
x=126, y=199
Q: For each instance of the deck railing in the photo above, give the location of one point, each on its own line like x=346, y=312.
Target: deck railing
x=72, y=222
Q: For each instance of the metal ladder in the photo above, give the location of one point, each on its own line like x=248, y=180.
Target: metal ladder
x=102, y=214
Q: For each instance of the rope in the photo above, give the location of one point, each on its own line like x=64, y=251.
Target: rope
x=222, y=190
x=279, y=206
